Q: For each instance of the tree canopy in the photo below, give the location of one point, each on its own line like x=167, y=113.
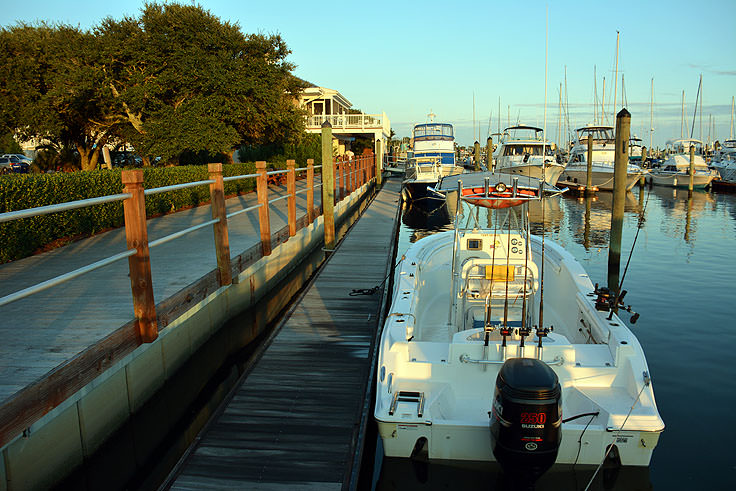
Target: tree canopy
x=175, y=79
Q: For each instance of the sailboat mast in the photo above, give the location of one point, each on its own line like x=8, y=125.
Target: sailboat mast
x=615, y=78
x=682, y=117
x=473, y=115
x=701, y=109
x=603, y=103
x=731, y=133
x=695, y=111
x=595, y=97
x=651, y=116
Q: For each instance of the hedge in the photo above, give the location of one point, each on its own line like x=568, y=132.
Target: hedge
x=22, y=238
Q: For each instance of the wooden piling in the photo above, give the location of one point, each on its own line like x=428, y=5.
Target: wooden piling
x=378, y=156
x=589, y=173
x=310, y=190
x=489, y=153
x=136, y=235
x=476, y=155
x=621, y=161
x=291, y=189
x=642, y=179
x=691, y=169
x=222, y=241
x=328, y=186
x=264, y=219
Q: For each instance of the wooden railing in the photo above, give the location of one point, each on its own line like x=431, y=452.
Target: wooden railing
x=37, y=399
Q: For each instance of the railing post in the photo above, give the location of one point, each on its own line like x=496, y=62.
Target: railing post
x=310, y=190
x=136, y=235
x=334, y=179
x=378, y=159
x=222, y=242
x=328, y=187
x=263, y=215
x=291, y=189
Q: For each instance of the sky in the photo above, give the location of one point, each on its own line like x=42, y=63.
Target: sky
x=463, y=58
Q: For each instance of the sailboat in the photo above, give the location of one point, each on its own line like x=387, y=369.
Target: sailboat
x=498, y=347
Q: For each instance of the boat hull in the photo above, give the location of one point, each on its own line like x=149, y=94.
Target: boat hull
x=600, y=179
x=552, y=172
x=680, y=180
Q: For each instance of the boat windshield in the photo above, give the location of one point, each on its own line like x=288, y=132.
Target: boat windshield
x=683, y=146
x=600, y=134
x=511, y=150
x=522, y=133
x=432, y=131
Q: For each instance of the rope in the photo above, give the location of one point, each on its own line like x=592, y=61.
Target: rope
x=615, y=436
x=370, y=291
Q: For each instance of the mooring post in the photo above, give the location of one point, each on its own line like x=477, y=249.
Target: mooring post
x=621, y=161
x=476, y=155
x=264, y=219
x=642, y=179
x=328, y=187
x=310, y=190
x=136, y=235
x=291, y=189
x=691, y=169
x=489, y=153
x=222, y=241
x=378, y=157
x=589, y=173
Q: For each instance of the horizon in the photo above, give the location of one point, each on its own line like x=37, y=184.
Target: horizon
x=408, y=62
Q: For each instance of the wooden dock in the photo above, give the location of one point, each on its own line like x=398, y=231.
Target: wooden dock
x=296, y=419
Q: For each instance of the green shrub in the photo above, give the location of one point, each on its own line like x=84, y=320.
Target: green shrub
x=21, y=238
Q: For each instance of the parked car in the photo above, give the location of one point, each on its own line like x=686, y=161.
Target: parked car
x=13, y=163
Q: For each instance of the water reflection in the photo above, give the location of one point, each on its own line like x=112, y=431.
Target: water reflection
x=407, y=474
x=423, y=221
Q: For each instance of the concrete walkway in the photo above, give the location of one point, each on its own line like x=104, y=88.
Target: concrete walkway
x=44, y=330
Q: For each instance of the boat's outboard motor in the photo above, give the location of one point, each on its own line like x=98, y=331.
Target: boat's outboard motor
x=526, y=418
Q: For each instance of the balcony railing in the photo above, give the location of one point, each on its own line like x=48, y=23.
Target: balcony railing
x=349, y=121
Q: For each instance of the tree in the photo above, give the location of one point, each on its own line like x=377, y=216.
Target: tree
x=185, y=81
x=49, y=92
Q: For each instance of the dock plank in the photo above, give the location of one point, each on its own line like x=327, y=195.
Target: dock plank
x=293, y=421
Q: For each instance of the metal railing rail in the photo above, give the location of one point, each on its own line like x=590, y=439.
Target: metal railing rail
x=57, y=280
x=70, y=205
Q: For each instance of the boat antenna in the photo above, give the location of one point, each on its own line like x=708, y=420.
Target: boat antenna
x=615, y=78
x=695, y=111
x=595, y=96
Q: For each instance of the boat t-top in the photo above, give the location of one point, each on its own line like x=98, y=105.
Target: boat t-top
x=603, y=159
x=433, y=158
x=635, y=150
x=523, y=151
x=497, y=346
x=675, y=170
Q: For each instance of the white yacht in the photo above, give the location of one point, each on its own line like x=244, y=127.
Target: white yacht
x=675, y=170
x=724, y=161
x=523, y=151
x=576, y=170
x=433, y=158
x=497, y=347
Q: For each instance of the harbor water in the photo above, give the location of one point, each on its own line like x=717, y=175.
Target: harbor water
x=680, y=279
